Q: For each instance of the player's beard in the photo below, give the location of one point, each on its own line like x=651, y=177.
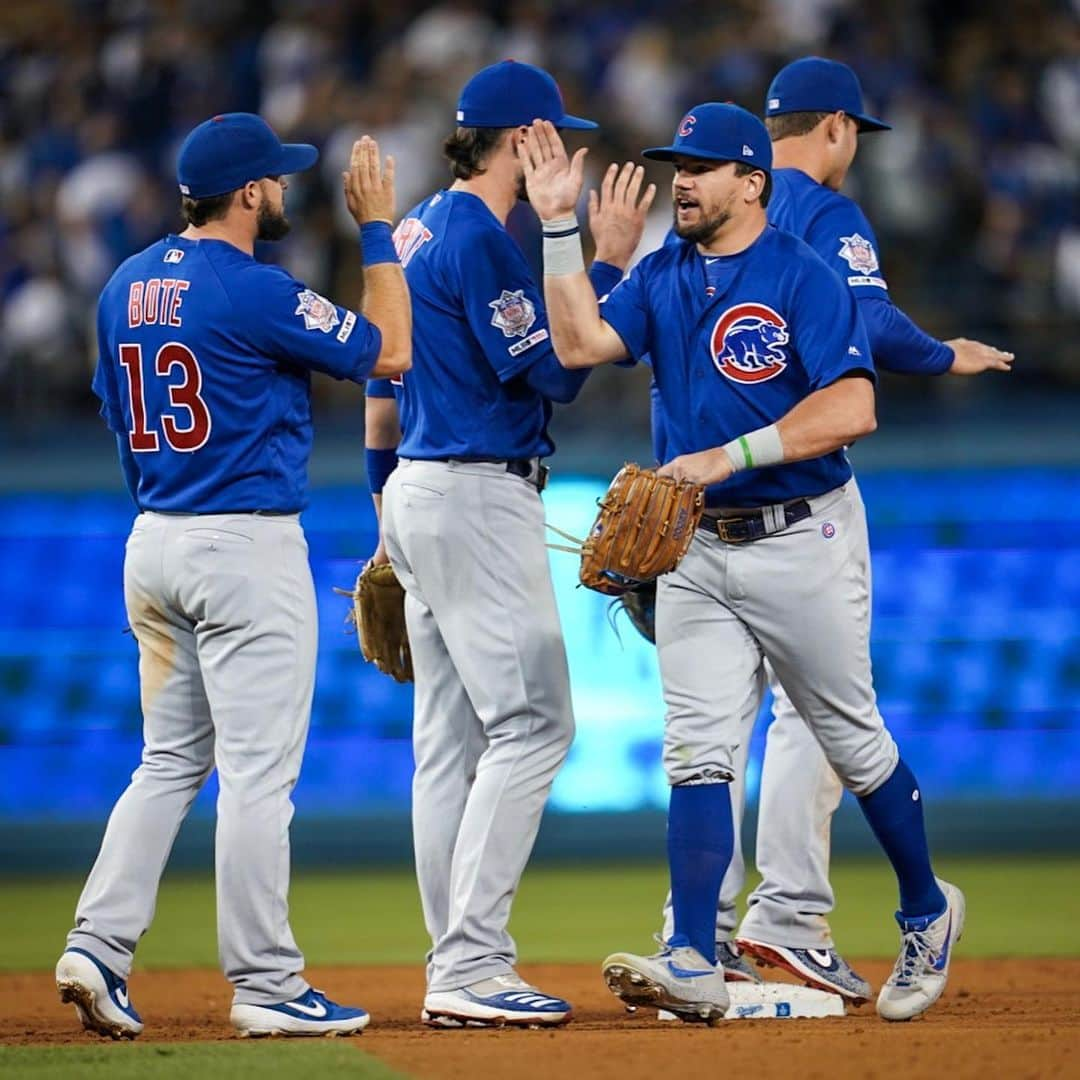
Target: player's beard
x=704, y=231
x=272, y=223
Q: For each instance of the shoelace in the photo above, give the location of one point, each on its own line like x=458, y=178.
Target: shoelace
x=918, y=952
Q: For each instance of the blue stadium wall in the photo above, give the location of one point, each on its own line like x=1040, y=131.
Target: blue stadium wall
x=976, y=645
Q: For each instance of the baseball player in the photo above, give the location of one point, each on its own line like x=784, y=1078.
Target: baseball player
x=764, y=375
x=463, y=526
x=204, y=376
x=814, y=113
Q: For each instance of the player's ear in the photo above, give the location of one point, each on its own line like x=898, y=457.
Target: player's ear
x=835, y=126
x=251, y=195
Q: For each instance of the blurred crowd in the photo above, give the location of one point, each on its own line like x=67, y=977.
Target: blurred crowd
x=975, y=194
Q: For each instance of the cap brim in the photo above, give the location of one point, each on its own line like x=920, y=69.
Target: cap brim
x=575, y=123
x=296, y=157
x=669, y=153
x=870, y=123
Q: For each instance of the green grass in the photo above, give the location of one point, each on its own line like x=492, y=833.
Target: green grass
x=221, y=1061
x=1021, y=907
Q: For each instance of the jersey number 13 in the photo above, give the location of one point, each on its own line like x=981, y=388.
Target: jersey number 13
x=182, y=395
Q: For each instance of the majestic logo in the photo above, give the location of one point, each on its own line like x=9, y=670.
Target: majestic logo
x=514, y=313
x=409, y=237
x=686, y=128
x=318, y=312
x=858, y=253
x=747, y=343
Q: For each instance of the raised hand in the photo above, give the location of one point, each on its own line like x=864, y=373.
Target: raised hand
x=617, y=215
x=973, y=357
x=369, y=190
x=553, y=181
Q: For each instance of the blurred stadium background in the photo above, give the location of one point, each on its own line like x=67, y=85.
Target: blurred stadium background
x=973, y=486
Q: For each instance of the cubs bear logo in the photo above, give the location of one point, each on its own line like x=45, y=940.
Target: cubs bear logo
x=747, y=343
x=514, y=313
x=318, y=312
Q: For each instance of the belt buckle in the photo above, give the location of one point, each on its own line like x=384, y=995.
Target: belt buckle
x=722, y=532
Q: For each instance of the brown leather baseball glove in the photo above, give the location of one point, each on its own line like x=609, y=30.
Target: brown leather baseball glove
x=644, y=528
x=378, y=616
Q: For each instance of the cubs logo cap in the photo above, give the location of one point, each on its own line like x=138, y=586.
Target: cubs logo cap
x=509, y=94
x=226, y=151
x=814, y=84
x=718, y=132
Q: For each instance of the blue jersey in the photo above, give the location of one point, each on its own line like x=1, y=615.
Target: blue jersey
x=204, y=370
x=735, y=342
x=837, y=229
x=478, y=324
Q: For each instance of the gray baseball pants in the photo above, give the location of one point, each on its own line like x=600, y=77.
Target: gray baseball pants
x=799, y=599
x=223, y=609
x=492, y=716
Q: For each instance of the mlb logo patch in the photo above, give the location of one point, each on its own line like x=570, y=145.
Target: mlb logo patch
x=514, y=313
x=173, y=255
x=858, y=253
x=317, y=311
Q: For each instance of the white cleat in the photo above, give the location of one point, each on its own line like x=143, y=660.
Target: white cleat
x=922, y=968
x=495, y=1002
x=99, y=995
x=312, y=1013
x=677, y=979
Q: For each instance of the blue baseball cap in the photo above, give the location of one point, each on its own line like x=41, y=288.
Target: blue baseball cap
x=226, y=151
x=719, y=132
x=509, y=94
x=814, y=84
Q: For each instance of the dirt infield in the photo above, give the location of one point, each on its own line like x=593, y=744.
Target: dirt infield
x=1009, y=1018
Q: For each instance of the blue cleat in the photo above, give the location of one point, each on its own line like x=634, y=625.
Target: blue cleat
x=312, y=1013
x=99, y=995
x=823, y=969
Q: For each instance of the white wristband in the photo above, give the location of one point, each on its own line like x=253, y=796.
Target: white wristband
x=562, y=246
x=756, y=449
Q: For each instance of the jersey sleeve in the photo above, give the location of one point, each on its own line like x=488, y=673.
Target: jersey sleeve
x=287, y=321
x=827, y=332
x=501, y=302
x=379, y=388
x=626, y=311
x=843, y=237
x=105, y=381
x=898, y=344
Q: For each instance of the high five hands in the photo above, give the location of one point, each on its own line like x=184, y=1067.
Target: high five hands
x=554, y=182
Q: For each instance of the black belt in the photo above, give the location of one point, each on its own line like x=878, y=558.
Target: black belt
x=739, y=527
x=527, y=468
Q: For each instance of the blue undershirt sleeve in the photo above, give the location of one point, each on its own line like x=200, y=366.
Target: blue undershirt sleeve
x=898, y=344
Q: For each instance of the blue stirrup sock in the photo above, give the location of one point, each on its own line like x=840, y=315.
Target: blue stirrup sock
x=700, y=840
x=895, y=814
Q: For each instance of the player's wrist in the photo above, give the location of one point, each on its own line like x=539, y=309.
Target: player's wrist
x=756, y=449
x=377, y=243
x=562, y=245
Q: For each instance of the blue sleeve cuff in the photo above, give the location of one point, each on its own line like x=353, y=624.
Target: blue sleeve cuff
x=377, y=243
x=380, y=464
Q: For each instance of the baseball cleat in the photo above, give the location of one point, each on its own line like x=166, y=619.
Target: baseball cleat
x=99, y=995
x=823, y=969
x=677, y=979
x=495, y=1002
x=922, y=967
x=312, y=1013
x=736, y=966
